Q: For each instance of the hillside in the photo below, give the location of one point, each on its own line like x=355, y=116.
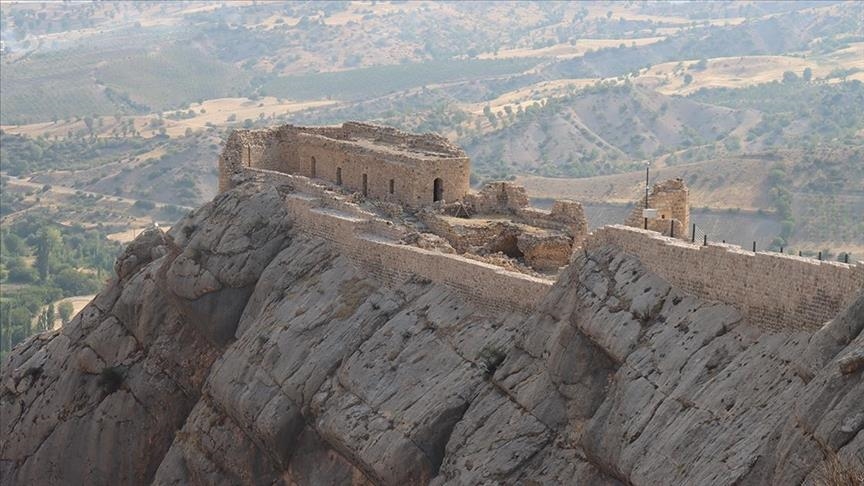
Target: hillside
x=236, y=349
x=818, y=191
x=602, y=130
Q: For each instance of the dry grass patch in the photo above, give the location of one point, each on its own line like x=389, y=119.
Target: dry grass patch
x=738, y=72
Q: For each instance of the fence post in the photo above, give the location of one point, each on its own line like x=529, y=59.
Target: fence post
x=781, y=249
x=705, y=241
x=672, y=229
x=754, y=247
x=846, y=258
x=693, y=234
x=799, y=252
x=820, y=256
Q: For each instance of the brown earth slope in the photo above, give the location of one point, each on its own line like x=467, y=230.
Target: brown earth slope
x=236, y=350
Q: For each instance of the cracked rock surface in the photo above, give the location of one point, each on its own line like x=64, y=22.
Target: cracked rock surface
x=237, y=350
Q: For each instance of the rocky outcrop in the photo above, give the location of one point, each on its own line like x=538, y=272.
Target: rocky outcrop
x=237, y=350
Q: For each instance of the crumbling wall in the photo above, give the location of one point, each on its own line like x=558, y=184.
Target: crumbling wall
x=366, y=241
x=243, y=149
x=545, y=252
x=500, y=197
x=671, y=199
x=565, y=215
x=775, y=291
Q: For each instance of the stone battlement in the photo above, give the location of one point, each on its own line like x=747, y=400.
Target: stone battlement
x=774, y=291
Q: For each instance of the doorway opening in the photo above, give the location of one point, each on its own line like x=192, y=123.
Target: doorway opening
x=437, y=190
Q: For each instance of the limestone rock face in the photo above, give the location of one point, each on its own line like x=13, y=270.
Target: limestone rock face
x=237, y=350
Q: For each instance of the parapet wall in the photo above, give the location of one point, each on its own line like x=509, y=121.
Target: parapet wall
x=774, y=291
x=374, y=242
x=392, y=262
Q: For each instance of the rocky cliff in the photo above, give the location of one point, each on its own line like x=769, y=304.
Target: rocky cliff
x=234, y=349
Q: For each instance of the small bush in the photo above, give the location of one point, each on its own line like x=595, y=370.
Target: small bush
x=145, y=205
x=490, y=358
x=111, y=378
x=839, y=471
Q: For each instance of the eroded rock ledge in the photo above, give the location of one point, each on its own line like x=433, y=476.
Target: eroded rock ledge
x=237, y=350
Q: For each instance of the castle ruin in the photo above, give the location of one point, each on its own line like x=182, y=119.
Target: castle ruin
x=379, y=162
x=349, y=185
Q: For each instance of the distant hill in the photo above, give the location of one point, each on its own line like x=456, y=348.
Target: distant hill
x=601, y=130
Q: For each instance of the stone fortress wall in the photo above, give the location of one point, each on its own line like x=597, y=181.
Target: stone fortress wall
x=379, y=162
x=774, y=291
x=375, y=244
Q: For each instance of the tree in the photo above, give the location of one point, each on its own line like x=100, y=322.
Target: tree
x=789, y=77
x=688, y=78
x=65, y=309
x=46, y=319
x=73, y=282
x=807, y=74
x=47, y=241
x=88, y=121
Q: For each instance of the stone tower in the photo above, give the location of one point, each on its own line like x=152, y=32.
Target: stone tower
x=671, y=199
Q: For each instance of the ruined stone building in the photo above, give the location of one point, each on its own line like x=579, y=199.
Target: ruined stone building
x=400, y=203
x=379, y=162
x=671, y=200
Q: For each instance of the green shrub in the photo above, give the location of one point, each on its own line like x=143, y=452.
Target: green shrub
x=490, y=358
x=111, y=378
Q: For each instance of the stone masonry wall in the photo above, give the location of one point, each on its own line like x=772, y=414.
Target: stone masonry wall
x=775, y=291
x=382, y=162
x=500, y=197
x=374, y=243
x=508, y=198
x=671, y=199
x=362, y=241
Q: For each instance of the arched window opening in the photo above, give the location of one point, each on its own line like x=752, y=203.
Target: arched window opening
x=437, y=190
x=392, y=186
x=338, y=176
x=312, y=167
x=365, y=185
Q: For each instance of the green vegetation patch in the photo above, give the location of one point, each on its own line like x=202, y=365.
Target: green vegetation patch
x=42, y=262
x=380, y=80
x=830, y=110
x=23, y=155
x=172, y=76
x=64, y=83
